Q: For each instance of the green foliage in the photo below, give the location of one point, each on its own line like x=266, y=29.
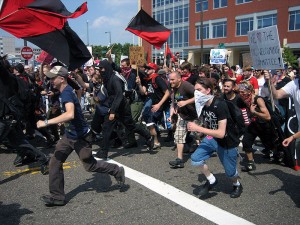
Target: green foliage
x=118, y=49
x=289, y=57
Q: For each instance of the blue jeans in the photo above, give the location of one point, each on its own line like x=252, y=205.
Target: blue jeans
x=228, y=157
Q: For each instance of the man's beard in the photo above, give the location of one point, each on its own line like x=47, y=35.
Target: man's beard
x=228, y=92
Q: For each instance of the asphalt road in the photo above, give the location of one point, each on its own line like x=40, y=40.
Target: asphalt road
x=154, y=193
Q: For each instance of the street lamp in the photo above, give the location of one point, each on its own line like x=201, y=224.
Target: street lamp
x=87, y=33
x=109, y=33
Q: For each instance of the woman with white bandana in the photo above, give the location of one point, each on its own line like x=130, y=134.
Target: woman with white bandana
x=220, y=137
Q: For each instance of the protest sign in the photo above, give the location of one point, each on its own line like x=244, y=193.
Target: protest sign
x=136, y=55
x=265, y=48
x=218, y=56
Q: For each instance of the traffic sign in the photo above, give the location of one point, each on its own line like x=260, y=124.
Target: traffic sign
x=26, y=53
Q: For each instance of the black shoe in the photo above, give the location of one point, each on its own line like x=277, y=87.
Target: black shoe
x=207, y=187
x=237, y=191
x=45, y=167
x=120, y=176
x=150, y=143
x=249, y=167
x=117, y=143
x=177, y=163
x=49, y=201
x=19, y=160
x=101, y=155
x=131, y=145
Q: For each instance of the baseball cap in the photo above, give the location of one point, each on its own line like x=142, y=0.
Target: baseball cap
x=57, y=71
x=152, y=66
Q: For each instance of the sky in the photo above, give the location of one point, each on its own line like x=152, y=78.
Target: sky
x=103, y=16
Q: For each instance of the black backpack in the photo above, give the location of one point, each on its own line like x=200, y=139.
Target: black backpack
x=236, y=116
x=235, y=128
x=276, y=116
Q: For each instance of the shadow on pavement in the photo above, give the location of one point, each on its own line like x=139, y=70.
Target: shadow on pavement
x=290, y=184
x=12, y=213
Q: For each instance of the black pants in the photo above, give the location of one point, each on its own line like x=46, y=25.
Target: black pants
x=63, y=149
x=123, y=116
x=17, y=139
x=265, y=131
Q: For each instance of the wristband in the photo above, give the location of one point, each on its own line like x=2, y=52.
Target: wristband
x=46, y=122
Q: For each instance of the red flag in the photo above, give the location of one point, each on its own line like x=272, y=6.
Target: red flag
x=147, y=28
x=44, y=57
x=168, y=53
x=44, y=23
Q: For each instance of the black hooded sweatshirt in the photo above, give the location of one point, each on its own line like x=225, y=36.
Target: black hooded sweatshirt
x=114, y=86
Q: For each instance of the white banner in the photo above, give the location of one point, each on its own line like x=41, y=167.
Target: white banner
x=218, y=56
x=265, y=48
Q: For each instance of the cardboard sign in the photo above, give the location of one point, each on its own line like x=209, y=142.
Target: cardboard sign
x=218, y=56
x=265, y=48
x=136, y=55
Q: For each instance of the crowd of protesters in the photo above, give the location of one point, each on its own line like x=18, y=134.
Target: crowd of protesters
x=187, y=102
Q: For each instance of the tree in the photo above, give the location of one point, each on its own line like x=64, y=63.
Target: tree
x=289, y=58
x=118, y=49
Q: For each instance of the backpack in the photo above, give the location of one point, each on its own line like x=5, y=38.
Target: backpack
x=24, y=90
x=131, y=95
x=276, y=116
x=236, y=116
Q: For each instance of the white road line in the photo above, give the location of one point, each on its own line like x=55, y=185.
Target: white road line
x=190, y=202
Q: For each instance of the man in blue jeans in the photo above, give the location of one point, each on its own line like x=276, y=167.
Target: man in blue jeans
x=221, y=137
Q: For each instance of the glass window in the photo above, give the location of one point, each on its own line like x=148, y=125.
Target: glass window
x=186, y=13
x=242, y=1
x=266, y=21
x=219, y=29
x=294, y=20
x=243, y=26
x=198, y=5
x=205, y=32
x=220, y=4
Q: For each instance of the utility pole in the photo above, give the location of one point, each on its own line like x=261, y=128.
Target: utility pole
x=87, y=33
x=201, y=33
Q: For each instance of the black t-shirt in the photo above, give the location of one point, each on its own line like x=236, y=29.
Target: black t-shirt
x=184, y=92
x=237, y=100
x=156, y=90
x=214, y=113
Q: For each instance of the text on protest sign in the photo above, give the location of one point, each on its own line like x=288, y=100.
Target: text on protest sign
x=265, y=48
x=136, y=55
x=218, y=56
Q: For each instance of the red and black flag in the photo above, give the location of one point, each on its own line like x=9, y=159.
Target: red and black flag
x=44, y=23
x=147, y=28
x=168, y=54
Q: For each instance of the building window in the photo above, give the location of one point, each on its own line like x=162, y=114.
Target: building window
x=220, y=4
x=266, y=21
x=198, y=5
x=242, y=1
x=179, y=37
x=294, y=20
x=205, y=32
x=219, y=29
x=243, y=26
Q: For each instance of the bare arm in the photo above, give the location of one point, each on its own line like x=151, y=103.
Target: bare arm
x=66, y=116
x=264, y=114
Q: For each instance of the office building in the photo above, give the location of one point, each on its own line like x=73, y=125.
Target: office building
x=225, y=25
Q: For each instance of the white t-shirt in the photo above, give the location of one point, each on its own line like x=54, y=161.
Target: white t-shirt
x=261, y=81
x=292, y=88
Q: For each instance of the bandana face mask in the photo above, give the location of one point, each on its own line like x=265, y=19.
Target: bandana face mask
x=125, y=70
x=200, y=100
